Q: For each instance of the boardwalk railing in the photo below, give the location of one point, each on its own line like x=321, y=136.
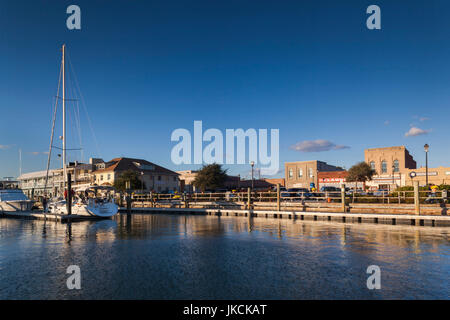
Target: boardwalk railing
x=412, y=202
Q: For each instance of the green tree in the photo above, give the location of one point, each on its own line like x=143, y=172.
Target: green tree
x=129, y=175
x=360, y=172
x=211, y=176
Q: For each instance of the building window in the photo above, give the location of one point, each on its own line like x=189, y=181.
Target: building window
x=175, y=179
x=372, y=165
x=383, y=166
x=311, y=173
x=109, y=176
x=101, y=178
x=159, y=178
x=300, y=173
x=291, y=173
x=396, y=166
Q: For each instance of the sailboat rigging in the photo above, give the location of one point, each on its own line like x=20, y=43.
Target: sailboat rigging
x=91, y=200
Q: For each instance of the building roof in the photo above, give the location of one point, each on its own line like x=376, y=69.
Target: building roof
x=37, y=174
x=386, y=148
x=124, y=164
x=332, y=174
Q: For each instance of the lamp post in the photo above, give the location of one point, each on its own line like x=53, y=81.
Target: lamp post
x=426, y=147
x=142, y=181
x=252, y=163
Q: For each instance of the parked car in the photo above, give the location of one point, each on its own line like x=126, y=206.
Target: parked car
x=316, y=196
x=380, y=192
x=330, y=189
x=333, y=192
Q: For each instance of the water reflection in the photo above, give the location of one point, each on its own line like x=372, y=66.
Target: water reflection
x=195, y=257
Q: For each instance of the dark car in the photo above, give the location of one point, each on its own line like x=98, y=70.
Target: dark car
x=332, y=192
x=297, y=193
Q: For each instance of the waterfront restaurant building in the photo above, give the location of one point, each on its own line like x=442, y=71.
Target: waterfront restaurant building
x=33, y=183
x=301, y=174
x=97, y=171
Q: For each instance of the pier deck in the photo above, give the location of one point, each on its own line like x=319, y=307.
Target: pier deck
x=39, y=215
x=393, y=219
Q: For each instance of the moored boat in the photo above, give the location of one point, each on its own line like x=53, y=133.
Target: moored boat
x=91, y=201
x=14, y=200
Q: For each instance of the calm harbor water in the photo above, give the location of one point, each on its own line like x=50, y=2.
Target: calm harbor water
x=205, y=257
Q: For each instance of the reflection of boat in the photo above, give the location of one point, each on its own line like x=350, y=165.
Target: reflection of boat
x=91, y=201
x=13, y=200
x=103, y=226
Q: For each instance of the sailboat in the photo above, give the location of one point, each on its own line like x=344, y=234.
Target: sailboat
x=90, y=201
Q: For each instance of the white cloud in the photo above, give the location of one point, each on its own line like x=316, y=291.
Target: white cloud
x=317, y=146
x=387, y=122
x=414, y=131
x=4, y=147
x=36, y=153
x=423, y=119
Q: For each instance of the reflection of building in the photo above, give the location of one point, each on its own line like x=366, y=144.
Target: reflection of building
x=302, y=174
x=155, y=178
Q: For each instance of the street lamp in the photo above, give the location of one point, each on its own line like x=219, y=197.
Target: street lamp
x=252, y=163
x=426, y=147
x=142, y=181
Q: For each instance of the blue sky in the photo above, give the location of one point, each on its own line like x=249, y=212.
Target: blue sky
x=308, y=68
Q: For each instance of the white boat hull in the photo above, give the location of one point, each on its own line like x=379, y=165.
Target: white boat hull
x=14, y=200
x=16, y=206
x=107, y=209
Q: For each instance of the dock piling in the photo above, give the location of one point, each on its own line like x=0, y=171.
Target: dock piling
x=278, y=197
x=343, y=197
x=416, y=198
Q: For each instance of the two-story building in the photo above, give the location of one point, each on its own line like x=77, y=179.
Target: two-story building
x=154, y=177
x=304, y=174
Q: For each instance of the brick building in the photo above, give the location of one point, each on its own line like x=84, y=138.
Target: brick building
x=301, y=174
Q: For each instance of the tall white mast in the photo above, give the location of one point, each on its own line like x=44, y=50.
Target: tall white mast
x=64, y=115
x=20, y=162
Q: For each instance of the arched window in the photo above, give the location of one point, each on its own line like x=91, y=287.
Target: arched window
x=383, y=166
x=372, y=165
x=300, y=172
x=396, y=166
x=291, y=173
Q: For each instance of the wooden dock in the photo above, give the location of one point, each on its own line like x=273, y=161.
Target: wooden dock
x=379, y=218
x=40, y=215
